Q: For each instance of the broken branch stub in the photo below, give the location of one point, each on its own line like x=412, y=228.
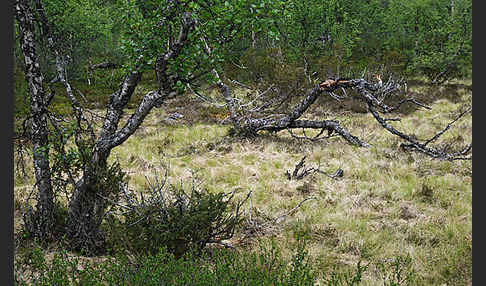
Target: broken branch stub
x=297, y=174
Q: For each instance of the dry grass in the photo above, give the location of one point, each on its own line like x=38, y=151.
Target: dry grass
x=388, y=203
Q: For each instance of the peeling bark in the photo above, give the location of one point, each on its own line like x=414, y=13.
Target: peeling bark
x=41, y=222
x=86, y=208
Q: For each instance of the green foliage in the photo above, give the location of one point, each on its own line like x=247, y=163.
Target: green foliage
x=420, y=36
x=267, y=266
x=148, y=31
x=85, y=30
x=221, y=267
x=107, y=79
x=33, y=257
x=67, y=163
x=442, y=38
x=349, y=278
x=267, y=66
x=178, y=219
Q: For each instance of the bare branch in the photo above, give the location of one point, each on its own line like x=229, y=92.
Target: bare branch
x=283, y=216
x=225, y=91
x=307, y=171
x=415, y=145
x=436, y=136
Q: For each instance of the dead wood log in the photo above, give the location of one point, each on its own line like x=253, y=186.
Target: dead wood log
x=372, y=93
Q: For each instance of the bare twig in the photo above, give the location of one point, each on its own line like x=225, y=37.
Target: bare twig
x=299, y=176
x=307, y=171
x=283, y=216
x=436, y=136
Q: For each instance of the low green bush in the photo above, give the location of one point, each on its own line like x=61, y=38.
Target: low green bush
x=175, y=218
x=266, y=266
x=220, y=267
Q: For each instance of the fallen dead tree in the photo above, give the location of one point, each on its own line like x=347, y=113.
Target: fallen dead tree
x=249, y=119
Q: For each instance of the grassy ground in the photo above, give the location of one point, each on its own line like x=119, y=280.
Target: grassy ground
x=388, y=204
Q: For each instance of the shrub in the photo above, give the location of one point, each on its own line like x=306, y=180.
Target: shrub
x=223, y=267
x=265, y=266
x=177, y=219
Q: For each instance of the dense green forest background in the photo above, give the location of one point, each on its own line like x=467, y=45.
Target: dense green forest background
x=430, y=38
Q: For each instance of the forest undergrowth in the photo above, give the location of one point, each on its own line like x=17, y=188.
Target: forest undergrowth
x=389, y=208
